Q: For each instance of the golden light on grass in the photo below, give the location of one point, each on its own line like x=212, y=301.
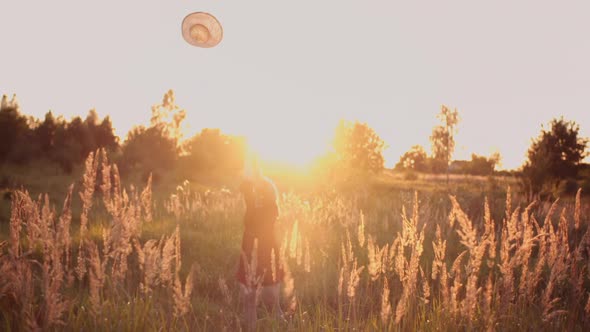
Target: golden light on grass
x=444, y=271
x=294, y=241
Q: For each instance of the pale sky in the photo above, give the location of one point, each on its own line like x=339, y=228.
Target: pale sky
x=287, y=71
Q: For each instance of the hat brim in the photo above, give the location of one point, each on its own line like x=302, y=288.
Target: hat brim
x=208, y=21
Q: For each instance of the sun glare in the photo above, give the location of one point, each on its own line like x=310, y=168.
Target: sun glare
x=300, y=153
x=293, y=149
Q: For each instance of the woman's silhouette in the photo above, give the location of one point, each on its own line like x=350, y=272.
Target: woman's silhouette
x=259, y=271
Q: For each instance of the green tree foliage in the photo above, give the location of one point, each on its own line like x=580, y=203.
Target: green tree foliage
x=211, y=150
x=160, y=148
x=358, y=148
x=478, y=165
x=443, y=139
x=155, y=149
x=147, y=150
x=167, y=118
x=415, y=159
x=24, y=139
x=45, y=133
x=481, y=165
x=101, y=132
x=13, y=129
x=554, y=155
x=71, y=142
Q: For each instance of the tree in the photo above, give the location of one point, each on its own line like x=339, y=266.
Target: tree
x=212, y=150
x=104, y=135
x=415, y=159
x=478, y=165
x=45, y=133
x=481, y=165
x=14, y=129
x=71, y=144
x=554, y=155
x=148, y=150
x=156, y=148
x=101, y=132
x=443, y=139
x=167, y=117
x=25, y=139
x=358, y=148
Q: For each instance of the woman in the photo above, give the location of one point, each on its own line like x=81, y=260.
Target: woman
x=260, y=271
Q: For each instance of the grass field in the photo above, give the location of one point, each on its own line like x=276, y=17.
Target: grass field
x=394, y=254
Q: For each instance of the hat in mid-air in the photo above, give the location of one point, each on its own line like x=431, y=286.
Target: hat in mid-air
x=202, y=30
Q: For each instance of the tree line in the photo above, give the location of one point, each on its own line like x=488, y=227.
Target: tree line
x=554, y=162
x=155, y=149
x=67, y=143
x=442, y=140
x=160, y=148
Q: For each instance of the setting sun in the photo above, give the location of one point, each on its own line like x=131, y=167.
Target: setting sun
x=290, y=140
x=296, y=149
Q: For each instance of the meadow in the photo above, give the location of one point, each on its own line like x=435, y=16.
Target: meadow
x=392, y=254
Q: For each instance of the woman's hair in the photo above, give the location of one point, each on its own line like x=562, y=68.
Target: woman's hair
x=252, y=168
x=274, y=192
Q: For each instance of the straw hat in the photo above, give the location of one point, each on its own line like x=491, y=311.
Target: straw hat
x=202, y=30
